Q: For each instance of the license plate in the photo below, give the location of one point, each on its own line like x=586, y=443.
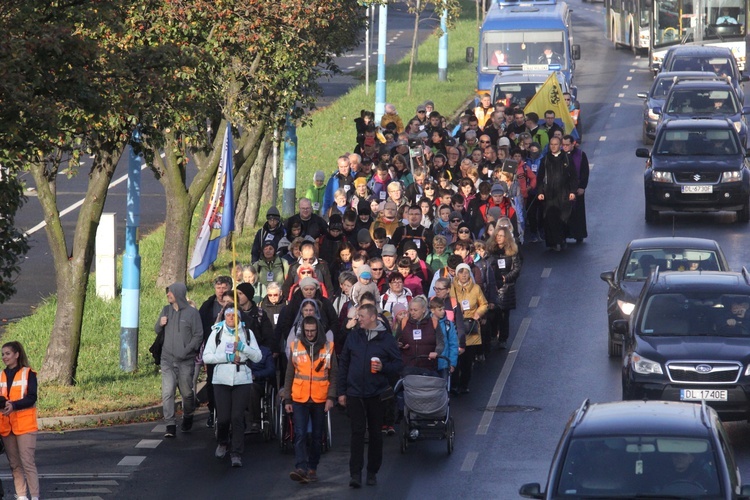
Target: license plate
x=697, y=189
x=703, y=395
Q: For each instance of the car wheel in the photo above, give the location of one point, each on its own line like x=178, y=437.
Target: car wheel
x=652, y=216
x=613, y=348
x=744, y=214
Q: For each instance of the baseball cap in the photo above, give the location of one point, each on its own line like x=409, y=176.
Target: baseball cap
x=388, y=250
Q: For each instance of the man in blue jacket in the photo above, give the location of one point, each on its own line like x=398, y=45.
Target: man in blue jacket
x=342, y=178
x=369, y=356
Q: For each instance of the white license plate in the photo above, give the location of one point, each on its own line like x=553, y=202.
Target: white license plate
x=697, y=189
x=703, y=395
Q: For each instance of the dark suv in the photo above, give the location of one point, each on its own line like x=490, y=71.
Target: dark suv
x=642, y=449
x=696, y=165
x=719, y=60
x=688, y=339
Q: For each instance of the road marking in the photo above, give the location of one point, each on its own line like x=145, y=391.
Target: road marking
x=502, y=379
x=78, y=204
x=81, y=475
x=625, y=86
x=534, y=301
x=617, y=104
x=632, y=70
x=357, y=63
x=620, y=95
x=629, y=78
x=613, y=114
x=160, y=428
x=148, y=443
x=469, y=461
x=602, y=138
x=94, y=483
x=546, y=272
x=132, y=460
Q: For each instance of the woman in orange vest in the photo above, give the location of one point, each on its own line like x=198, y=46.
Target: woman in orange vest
x=309, y=393
x=18, y=425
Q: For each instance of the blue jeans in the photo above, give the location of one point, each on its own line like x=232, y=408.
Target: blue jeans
x=303, y=413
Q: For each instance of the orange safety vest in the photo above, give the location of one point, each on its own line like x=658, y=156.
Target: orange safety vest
x=310, y=378
x=21, y=421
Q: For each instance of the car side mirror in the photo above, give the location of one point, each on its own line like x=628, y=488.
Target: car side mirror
x=745, y=78
x=531, y=490
x=642, y=153
x=620, y=326
x=642, y=95
x=745, y=491
x=469, y=54
x=608, y=277
x=656, y=110
x=575, y=51
x=746, y=110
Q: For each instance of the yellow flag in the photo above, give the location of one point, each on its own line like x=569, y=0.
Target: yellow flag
x=550, y=97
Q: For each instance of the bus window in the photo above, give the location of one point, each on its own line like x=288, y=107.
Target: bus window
x=517, y=47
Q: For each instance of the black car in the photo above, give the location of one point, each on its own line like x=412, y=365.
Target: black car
x=706, y=99
x=642, y=449
x=640, y=258
x=688, y=339
x=718, y=60
x=656, y=95
x=696, y=165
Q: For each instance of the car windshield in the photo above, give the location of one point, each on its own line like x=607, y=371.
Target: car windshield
x=661, y=87
x=641, y=263
x=692, y=142
x=695, y=314
x=634, y=466
x=516, y=93
x=701, y=102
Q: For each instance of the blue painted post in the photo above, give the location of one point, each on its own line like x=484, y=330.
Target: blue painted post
x=380, y=92
x=290, y=168
x=443, y=47
x=131, y=269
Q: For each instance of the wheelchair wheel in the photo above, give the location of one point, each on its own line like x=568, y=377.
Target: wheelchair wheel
x=450, y=434
x=327, y=442
x=269, y=407
x=404, y=436
x=284, y=428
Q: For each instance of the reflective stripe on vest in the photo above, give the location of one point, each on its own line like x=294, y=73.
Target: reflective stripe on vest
x=310, y=378
x=19, y=421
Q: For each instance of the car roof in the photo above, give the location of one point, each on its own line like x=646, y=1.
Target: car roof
x=701, y=84
x=698, y=123
x=701, y=281
x=674, y=242
x=685, y=74
x=640, y=418
x=699, y=50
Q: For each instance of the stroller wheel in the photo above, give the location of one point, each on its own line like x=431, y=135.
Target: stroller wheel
x=450, y=434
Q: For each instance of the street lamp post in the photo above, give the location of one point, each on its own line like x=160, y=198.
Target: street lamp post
x=380, y=90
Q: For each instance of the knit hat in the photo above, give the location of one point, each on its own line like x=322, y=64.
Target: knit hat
x=397, y=308
x=499, y=188
x=455, y=215
x=364, y=272
x=308, y=281
x=273, y=212
x=335, y=222
x=247, y=289
x=363, y=207
x=461, y=266
x=363, y=236
x=410, y=245
x=360, y=181
x=429, y=103
x=421, y=107
x=494, y=212
x=388, y=251
x=319, y=176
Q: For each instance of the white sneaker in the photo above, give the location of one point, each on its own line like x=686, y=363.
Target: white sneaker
x=221, y=451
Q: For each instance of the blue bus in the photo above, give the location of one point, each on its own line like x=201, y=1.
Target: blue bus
x=526, y=35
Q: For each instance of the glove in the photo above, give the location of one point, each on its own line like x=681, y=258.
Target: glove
x=241, y=346
x=230, y=358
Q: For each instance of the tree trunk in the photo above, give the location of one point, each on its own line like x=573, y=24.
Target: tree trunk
x=255, y=181
x=414, y=46
x=72, y=267
x=245, y=159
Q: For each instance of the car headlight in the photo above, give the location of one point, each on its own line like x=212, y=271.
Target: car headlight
x=645, y=366
x=652, y=115
x=625, y=307
x=747, y=370
x=660, y=176
x=731, y=176
x=737, y=126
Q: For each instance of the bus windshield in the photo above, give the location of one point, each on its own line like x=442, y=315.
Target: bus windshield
x=697, y=20
x=524, y=47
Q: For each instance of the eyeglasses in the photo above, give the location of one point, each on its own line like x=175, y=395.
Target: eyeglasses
x=429, y=188
x=373, y=269
x=567, y=100
x=420, y=112
x=272, y=295
x=455, y=220
x=463, y=231
x=484, y=142
x=440, y=289
x=306, y=273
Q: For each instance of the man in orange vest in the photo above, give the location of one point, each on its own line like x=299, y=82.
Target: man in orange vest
x=310, y=393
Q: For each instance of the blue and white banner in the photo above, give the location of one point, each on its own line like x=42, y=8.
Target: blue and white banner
x=218, y=221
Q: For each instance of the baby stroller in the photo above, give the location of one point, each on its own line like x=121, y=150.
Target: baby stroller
x=426, y=408
x=286, y=428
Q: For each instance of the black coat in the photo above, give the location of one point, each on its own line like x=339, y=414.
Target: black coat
x=355, y=378
x=506, y=269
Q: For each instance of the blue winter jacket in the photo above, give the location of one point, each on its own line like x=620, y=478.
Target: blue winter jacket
x=450, y=337
x=355, y=378
x=265, y=368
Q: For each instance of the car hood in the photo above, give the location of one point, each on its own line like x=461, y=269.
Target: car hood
x=694, y=348
x=631, y=290
x=696, y=163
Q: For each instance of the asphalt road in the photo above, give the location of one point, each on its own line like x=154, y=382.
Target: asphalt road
x=508, y=426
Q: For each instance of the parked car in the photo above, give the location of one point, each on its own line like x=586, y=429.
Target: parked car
x=642, y=449
x=696, y=165
x=656, y=95
x=688, y=339
x=640, y=258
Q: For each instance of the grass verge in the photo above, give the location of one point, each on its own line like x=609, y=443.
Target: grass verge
x=100, y=385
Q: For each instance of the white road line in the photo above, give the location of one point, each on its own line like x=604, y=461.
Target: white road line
x=546, y=272
x=626, y=86
x=358, y=64
x=620, y=95
x=632, y=70
x=79, y=203
x=469, y=461
x=132, y=460
x=502, y=379
x=617, y=104
x=148, y=443
x=628, y=78
x=534, y=301
x=80, y=475
x=602, y=138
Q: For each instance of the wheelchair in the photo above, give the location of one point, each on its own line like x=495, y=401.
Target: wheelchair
x=285, y=429
x=268, y=408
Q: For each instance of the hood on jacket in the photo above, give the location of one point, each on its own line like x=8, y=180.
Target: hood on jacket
x=179, y=290
x=298, y=318
x=465, y=266
x=319, y=341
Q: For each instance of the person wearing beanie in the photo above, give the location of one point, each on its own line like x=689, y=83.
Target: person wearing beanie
x=474, y=306
x=316, y=191
x=387, y=219
x=362, y=194
x=364, y=215
x=364, y=284
x=365, y=242
x=273, y=230
x=328, y=245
